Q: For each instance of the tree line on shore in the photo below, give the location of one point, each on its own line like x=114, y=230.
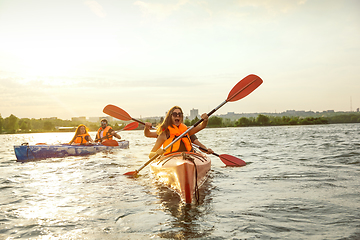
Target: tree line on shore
x=264, y=120
x=12, y=124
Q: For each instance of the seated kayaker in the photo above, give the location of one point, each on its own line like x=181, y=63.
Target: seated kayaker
x=105, y=132
x=171, y=128
x=81, y=137
x=193, y=138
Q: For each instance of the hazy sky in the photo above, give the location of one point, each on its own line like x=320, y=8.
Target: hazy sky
x=71, y=58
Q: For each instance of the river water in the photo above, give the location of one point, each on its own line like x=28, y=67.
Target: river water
x=301, y=182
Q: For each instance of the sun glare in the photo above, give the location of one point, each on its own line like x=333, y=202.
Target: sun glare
x=47, y=62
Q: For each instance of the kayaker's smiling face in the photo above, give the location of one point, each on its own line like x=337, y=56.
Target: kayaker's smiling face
x=177, y=117
x=82, y=130
x=103, y=124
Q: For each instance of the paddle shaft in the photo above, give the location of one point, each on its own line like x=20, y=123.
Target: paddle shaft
x=230, y=98
x=136, y=120
x=204, y=149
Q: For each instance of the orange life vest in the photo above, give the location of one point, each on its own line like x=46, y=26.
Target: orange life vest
x=81, y=138
x=106, y=134
x=174, y=133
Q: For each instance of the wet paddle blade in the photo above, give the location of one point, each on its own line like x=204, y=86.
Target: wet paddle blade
x=131, y=126
x=132, y=173
x=244, y=87
x=110, y=143
x=117, y=112
x=229, y=160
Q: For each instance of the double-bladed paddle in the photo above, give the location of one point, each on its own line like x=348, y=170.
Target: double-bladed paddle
x=228, y=160
x=118, y=113
x=239, y=91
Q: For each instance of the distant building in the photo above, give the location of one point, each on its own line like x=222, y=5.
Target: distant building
x=94, y=119
x=194, y=113
x=78, y=119
x=50, y=118
x=66, y=129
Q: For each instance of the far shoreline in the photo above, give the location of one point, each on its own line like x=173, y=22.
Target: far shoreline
x=14, y=125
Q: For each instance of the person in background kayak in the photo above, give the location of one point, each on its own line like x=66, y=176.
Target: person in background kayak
x=193, y=138
x=81, y=137
x=171, y=128
x=105, y=132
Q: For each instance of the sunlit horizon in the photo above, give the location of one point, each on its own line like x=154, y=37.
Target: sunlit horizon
x=69, y=59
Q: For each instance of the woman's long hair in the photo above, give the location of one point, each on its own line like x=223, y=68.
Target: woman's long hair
x=168, y=120
x=77, y=132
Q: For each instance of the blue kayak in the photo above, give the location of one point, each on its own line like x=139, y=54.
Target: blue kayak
x=26, y=152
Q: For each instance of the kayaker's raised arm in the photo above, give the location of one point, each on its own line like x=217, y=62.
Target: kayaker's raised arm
x=201, y=126
x=115, y=134
x=159, y=142
x=198, y=143
x=147, y=132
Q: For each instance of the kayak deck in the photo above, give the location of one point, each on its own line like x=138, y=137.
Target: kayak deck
x=26, y=152
x=182, y=172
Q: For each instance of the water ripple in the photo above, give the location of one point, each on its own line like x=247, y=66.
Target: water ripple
x=300, y=182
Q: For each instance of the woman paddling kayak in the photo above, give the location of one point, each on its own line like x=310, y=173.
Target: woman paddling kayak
x=193, y=138
x=81, y=137
x=172, y=127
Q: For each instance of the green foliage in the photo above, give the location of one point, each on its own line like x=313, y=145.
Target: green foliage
x=118, y=126
x=263, y=120
x=195, y=120
x=215, y=121
x=226, y=122
x=49, y=126
x=24, y=124
x=242, y=122
x=1, y=123
x=345, y=118
x=93, y=126
x=11, y=124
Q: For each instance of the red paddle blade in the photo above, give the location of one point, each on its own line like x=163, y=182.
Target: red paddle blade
x=116, y=112
x=131, y=126
x=244, y=87
x=110, y=143
x=231, y=160
x=132, y=173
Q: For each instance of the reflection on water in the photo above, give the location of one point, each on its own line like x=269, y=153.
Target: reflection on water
x=186, y=218
x=302, y=183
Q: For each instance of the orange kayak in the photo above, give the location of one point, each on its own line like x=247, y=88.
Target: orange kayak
x=183, y=172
